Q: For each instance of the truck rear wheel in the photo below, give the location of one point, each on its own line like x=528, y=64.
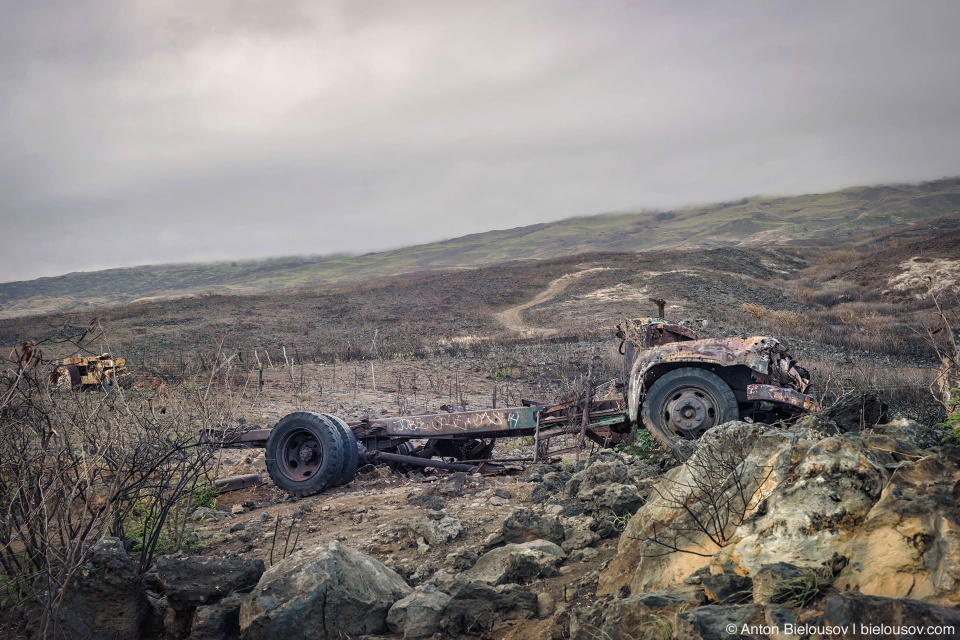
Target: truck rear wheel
x=686, y=403
x=305, y=453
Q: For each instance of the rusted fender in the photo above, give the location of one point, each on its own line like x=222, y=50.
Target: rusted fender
x=782, y=395
x=754, y=353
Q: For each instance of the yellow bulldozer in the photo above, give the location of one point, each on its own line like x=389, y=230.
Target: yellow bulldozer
x=91, y=372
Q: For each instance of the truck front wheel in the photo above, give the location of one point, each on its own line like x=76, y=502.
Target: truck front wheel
x=686, y=403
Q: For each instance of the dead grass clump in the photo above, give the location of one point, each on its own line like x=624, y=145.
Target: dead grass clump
x=840, y=256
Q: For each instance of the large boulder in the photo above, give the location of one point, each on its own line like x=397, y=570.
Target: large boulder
x=866, y=616
x=814, y=511
x=644, y=615
x=324, y=592
x=909, y=545
x=523, y=525
x=105, y=601
x=418, y=615
x=647, y=557
x=516, y=563
x=194, y=581
x=476, y=607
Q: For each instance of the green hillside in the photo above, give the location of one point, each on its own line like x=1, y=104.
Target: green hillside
x=750, y=221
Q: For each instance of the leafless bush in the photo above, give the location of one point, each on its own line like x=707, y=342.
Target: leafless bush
x=714, y=494
x=76, y=466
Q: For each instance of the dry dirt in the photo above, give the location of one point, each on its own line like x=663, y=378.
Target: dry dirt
x=513, y=320
x=263, y=521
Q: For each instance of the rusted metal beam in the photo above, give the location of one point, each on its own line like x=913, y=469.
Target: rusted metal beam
x=782, y=395
x=486, y=422
x=372, y=456
x=234, y=483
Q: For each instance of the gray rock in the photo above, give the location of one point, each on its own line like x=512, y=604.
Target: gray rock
x=418, y=615
x=523, y=525
x=716, y=621
x=615, y=499
x=217, y=621
x=324, y=592
x=193, y=581
x=436, y=531
x=854, y=609
x=780, y=620
x=500, y=492
x=728, y=588
x=578, y=538
x=475, y=607
x=632, y=617
x=516, y=563
x=546, y=605
x=462, y=559
x=106, y=601
x=857, y=411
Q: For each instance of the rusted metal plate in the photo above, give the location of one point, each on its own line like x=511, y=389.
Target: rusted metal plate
x=234, y=483
x=474, y=423
x=781, y=395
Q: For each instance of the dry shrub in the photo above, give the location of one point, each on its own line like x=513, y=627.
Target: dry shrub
x=805, y=294
x=757, y=311
x=840, y=256
x=76, y=466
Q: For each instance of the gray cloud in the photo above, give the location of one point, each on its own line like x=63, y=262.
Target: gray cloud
x=174, y=131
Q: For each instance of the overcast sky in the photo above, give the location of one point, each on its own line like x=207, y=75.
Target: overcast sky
x=137, y=132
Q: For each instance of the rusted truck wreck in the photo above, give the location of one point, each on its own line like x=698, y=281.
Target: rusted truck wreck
x=678, y=387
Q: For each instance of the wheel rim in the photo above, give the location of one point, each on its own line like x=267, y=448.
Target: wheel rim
x=690, y=412
x=299, y=455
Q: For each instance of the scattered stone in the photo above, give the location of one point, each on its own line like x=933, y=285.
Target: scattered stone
x=578, y=538
x=422, y=546
x=523, y=525
x=217, y=621
x=237, y=526
x=320, y=593
x=106, y=601
x=193, y=581
x=418, y=614
x=436, y=528
x=237, y=509
x=516, y=563
x=426, y=500
x=476, y=607
x=501, y=492
x=497, y=501
x=717, y=622
x=462, y=559
x=728, y=588
x=546, y=605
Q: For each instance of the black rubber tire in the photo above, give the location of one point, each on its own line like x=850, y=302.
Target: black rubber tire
x=708, y=389
x=351, y=455
x=326, y=433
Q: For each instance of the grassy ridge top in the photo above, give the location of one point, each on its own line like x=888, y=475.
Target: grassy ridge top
x=748, y=222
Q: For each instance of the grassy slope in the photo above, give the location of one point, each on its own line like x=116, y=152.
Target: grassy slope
x=750, y=221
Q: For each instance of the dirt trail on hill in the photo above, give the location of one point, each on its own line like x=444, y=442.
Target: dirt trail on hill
x=513, y=320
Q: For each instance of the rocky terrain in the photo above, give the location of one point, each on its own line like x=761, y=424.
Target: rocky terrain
x=764, y=531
